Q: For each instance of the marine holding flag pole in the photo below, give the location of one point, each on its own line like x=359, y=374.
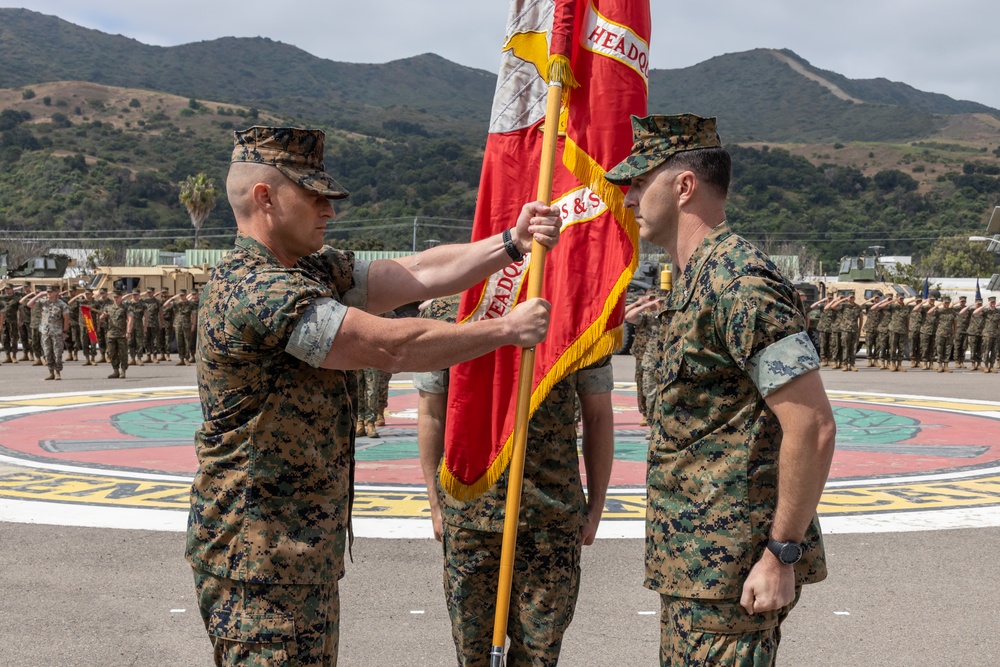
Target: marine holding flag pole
x=559, y=73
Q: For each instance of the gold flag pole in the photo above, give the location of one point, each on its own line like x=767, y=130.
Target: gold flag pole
x=536, y=270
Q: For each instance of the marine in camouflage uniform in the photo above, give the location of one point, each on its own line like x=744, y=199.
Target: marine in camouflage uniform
x=52, y=326
x=10, y=305
x=182, y=311
x=872, y=320
x=897, y=314
x=73, y=336
x=945, y=333
x=35, y=321
x=717, y=544
x=975, y=333
x=270, y=501
x=166, y=328
x=824, y=327
x=915, y=322
x=136, y=339
x=882, y=334
x=117, y=321
x=991, y=334
x=82, y=333
x=552, y=522
x=846, y=326
x=927, y=328
x=151, y=325
x=961, y=332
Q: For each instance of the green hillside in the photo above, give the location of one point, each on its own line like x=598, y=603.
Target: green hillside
x=96, y=131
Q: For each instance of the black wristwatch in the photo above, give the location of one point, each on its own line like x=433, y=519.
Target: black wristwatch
x=788, y=553
x=512, y=250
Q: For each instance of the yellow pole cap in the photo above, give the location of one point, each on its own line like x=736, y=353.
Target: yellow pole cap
x=666, y=278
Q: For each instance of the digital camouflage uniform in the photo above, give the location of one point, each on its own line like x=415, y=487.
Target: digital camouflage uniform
x=991, y=336
x=827, y=338
x=872, y=320
x=546, y=576
x=846, y=325
x=916, y=321
x=927, y=328
x=899, y=317
x=136, y=341
x=166, y=335
x=373, y=390
x=975, y=335
x=36, y=334
x=882, y=335
x=961, y=333
x=736, y=335
x=267, y=539
x=11, y=306
x=151, y=325
x=652, y=356
x=51, y=328
x=73, y=335
x=182, y=313
x=101, y=302
x=944, y=335
x=114, y=323
x=24, y=331
x=547, y=563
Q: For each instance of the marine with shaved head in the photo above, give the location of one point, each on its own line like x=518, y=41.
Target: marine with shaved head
x=282, y=320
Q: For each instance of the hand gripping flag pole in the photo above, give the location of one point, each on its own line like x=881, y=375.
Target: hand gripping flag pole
x=558, y=72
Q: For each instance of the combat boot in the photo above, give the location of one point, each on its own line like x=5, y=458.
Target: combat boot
x=149, y=359
x=895, y=367
x=114, y=374
x=24, y=355
x=138, y=361
x=642, y=421
x=370, y=430
x=359, y=430
x=103, y=359
x=852, y=368
x=380, y=421
x=946, y=369
x=38, y=362
x=940, y=367
x=52, y=375
x=826, y=362
x=181, y=363
x=123, y=375
x=87, y=361
x=58, y=375
x=69, y=356
x=7, y=359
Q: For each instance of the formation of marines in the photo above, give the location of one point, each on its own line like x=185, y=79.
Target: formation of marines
x=932, y=333
x=50, y=326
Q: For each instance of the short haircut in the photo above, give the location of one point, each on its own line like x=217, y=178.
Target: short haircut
x=713, y=166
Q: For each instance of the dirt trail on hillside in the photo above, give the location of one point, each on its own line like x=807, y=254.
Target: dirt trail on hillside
x=836, y=90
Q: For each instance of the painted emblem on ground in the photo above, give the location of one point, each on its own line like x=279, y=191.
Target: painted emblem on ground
x=902, y=462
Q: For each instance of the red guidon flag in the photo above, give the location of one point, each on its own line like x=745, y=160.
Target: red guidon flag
x=88, y=319
x=606, y=43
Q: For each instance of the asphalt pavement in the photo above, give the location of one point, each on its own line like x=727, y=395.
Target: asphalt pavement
x=83, y=597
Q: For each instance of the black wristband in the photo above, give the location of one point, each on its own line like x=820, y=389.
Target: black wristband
x=508, y=244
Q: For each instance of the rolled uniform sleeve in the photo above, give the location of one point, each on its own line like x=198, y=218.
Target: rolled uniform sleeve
x=765, y=332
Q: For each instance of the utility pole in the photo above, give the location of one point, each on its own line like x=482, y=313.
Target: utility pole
x=414, y=234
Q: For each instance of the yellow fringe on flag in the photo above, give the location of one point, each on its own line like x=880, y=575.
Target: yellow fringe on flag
x=593, y=344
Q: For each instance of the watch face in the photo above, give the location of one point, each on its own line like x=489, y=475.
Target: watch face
x=790, y=554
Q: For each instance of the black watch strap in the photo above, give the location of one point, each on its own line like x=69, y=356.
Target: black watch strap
x=788, y=553
x=512, y=250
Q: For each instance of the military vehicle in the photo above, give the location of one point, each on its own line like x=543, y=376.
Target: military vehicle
x=126, y=278
x=646, y=276
x=865, y=277
x=44, y=270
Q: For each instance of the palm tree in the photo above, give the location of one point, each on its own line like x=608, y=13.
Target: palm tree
x=198, y=194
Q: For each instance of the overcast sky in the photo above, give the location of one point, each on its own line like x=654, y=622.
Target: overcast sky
x=950, y=48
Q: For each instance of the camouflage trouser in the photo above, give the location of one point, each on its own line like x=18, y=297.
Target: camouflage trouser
x=52, y=344
x=117, y=353
x=150, y=338
x=543, y=594
x=915, y=347
x=372, y=398
x=871, y=344
x=73, y=336
x=944, y=349
x=36, y=343
x=897, y=345
x=825, y=340
x=927, y=346
x=10, y=337
x=183, y=335
x=25, y=335
x=269, y=625
x=989, y=352
x=87, y=346
x=848, y=347
x=136, y=342
x=975, y=347
x=718, y=632
x=961, y=345
x=882, y=346
x=162, y=341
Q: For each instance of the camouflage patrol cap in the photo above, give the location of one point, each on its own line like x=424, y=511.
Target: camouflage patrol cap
x=182, y=291
x=946, y=298
x=296, y=153
x=151, y=289
x=658, y=137
x=136, y=290
x=117, y=292
x=103, y=290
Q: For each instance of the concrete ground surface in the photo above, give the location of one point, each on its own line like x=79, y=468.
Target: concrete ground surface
x=82, y=597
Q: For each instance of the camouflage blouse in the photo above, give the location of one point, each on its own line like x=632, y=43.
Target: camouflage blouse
x=735, y=335
x=115, y=320
x=270, y=500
